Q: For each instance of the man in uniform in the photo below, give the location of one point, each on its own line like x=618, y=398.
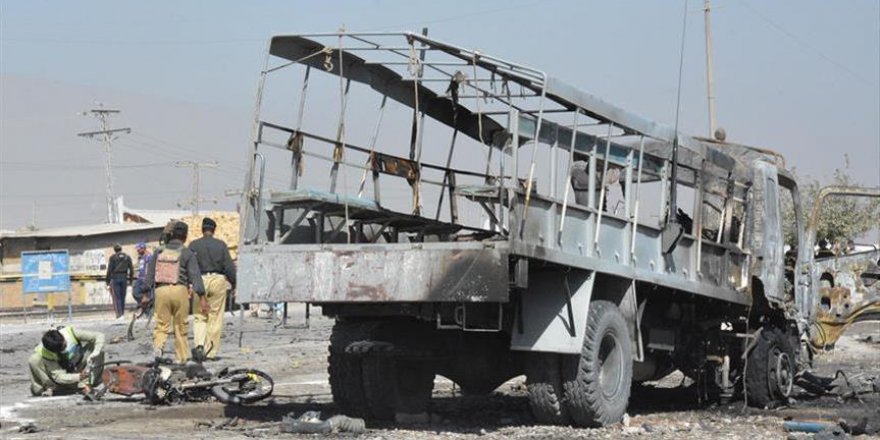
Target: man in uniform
x=66, y=361
x=172, y=271
x=218, y=275
x=119, y=271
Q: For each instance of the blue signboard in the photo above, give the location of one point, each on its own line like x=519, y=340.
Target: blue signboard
x=45, y=271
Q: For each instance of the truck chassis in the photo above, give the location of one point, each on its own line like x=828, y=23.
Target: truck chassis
x=481, y=220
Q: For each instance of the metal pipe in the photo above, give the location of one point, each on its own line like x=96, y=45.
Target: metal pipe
x=601, y=208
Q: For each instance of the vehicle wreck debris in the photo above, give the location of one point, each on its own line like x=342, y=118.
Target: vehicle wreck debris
x=491, y=221
x=162, y=382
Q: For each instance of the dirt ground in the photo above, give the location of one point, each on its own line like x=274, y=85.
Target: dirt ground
x=296, y=359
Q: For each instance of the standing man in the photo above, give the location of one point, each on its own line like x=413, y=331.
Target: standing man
x=218, y=275
x=144, y=257
x=119, y=271
x=66, y=361
x=172, y=271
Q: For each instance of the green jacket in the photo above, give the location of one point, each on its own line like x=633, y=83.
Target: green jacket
x=88, y=344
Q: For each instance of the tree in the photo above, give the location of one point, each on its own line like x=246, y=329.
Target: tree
x=841, y=218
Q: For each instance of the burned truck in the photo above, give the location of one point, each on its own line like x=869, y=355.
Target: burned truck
x=462, y=215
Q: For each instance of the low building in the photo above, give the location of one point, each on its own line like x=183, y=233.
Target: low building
x=90, y=247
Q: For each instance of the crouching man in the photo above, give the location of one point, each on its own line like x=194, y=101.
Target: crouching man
x=67, y=362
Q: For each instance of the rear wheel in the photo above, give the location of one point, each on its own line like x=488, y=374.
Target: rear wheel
x=345, y=370
x=597, y=383
x=370, y=375
x=546, y=394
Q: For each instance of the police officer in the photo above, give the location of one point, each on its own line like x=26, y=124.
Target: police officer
x=119, y=271
x=173, y=271
x=66, y=361
x=218, y=275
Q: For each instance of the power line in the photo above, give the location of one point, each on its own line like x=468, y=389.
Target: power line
x=805, y=44
x=196, y=198
x=106, y=135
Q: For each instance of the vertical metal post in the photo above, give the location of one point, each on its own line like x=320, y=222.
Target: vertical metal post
x=574, y=132
x=513, y=127
x=553, y=184
x=294, y=161
x=627, y=203
x=373, y=141
x=601, y=208
x=340, y=133
x=710, y=80
x=698, y=219
x=635, y=223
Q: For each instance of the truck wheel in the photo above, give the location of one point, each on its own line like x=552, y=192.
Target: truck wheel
x=597, y=383
x=544, y=384
x=345, y=370
x=771, y=369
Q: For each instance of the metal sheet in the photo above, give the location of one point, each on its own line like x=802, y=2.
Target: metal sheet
x=443, y=272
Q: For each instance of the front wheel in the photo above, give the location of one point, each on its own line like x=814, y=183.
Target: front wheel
x=597, y=383
x=245, y=386
x=771, y=368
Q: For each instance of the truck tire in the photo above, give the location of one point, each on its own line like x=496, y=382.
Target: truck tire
x=597, y=383
x=345, y=370
x=544, y=383
x=771, y=369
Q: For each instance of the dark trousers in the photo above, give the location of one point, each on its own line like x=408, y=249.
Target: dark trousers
x=118, y=287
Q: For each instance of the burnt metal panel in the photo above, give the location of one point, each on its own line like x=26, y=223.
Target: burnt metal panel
x=390, y=83
x=441, y=272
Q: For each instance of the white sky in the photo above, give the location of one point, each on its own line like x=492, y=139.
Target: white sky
x=799, y=77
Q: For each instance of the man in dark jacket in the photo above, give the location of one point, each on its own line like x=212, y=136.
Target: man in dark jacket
x=120, y=271
x=173, y=271
x=218, y=276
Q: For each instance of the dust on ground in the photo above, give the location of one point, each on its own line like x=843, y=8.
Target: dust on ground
x=296, y=359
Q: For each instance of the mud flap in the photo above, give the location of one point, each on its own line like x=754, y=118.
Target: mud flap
x=554, y=312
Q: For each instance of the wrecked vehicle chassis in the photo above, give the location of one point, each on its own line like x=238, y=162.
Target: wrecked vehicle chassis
x=506, y=223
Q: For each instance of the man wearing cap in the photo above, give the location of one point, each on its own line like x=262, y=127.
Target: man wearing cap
x=173, y=270
x=218, y=275
x=120, y=271
x=144, y=257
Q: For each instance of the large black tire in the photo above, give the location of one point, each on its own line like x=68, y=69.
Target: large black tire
x=345, y=370
x=370, y=383
x=544, y=383
x=771, y=368
x=597, y=383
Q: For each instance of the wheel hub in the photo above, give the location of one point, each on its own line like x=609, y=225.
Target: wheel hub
x=781, y=369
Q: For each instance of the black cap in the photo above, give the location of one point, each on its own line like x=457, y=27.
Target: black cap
x=208, y=224
x=179, y=230
x=54, y=341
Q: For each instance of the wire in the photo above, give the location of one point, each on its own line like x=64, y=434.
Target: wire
x=805, y=45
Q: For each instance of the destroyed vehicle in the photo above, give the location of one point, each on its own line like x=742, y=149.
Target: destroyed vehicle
x=466, y=216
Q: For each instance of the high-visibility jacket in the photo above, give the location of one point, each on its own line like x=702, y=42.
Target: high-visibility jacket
x=64, y=368
x=71, y=355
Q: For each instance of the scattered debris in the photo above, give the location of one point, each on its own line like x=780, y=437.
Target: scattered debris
x=117, y=339
x=310, y=423
x=28, y=428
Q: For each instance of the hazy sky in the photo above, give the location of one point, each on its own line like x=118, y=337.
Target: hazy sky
x=799, y=77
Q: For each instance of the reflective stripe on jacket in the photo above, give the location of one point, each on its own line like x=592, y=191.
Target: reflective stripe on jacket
x=70, y=351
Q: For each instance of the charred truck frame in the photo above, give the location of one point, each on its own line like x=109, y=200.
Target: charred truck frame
x=507, y=223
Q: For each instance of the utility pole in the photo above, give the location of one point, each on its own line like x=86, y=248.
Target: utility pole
x=106, y=135
x=196, y=176
x=710, y=81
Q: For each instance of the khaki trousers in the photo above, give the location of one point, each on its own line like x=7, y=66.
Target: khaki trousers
x=172, y=304
x=207, y=329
